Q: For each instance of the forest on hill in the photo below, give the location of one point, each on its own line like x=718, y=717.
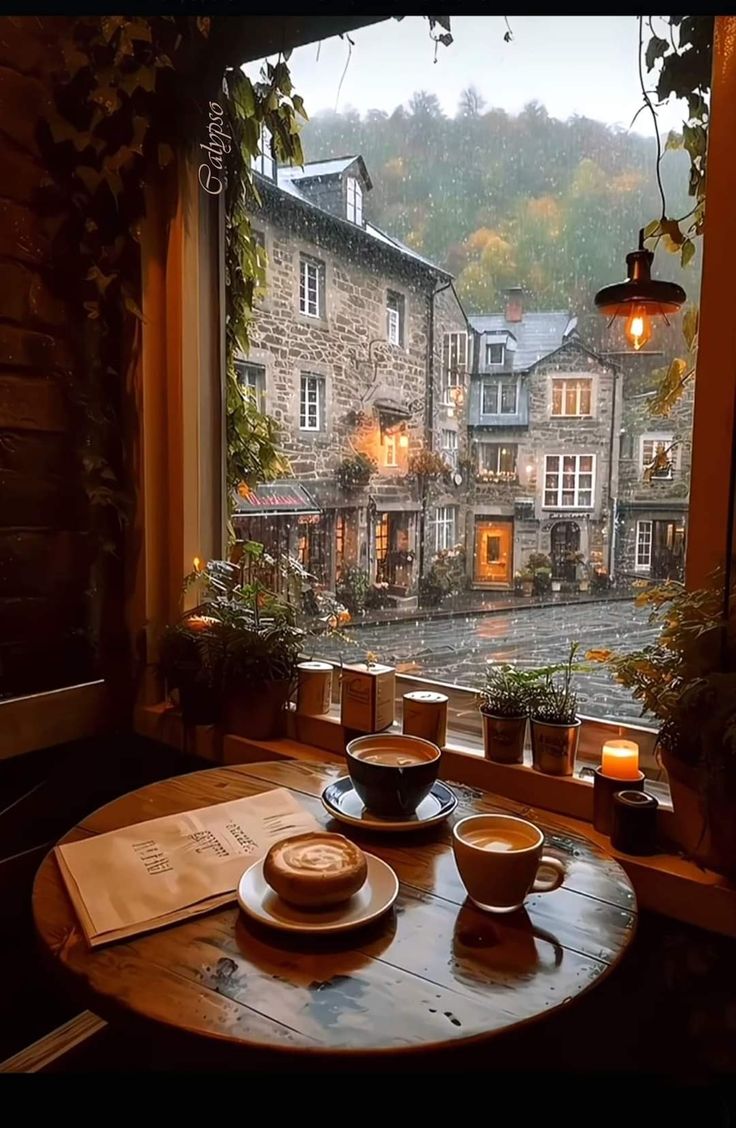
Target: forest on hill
x=501, y=199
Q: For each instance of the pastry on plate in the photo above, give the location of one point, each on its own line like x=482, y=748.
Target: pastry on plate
x=315, y=870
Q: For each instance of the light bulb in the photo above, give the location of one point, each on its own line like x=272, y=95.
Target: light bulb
x=638, y=328
x=197, y=564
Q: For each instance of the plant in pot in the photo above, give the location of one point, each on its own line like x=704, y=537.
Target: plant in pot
x=527, y=581
x=355, y=472
x=184, y=672
x=504, y=708
x=553, y=715
x=686, y=679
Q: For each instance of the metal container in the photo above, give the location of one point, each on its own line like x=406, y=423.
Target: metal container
x=503, y=738
x=314, y=688
x=554, y=747
x=425, y=715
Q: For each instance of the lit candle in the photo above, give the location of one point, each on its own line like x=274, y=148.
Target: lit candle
x=620, y=759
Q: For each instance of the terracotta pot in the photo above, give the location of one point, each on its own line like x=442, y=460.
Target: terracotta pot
x=700, y=829
x=554, y=747
x=256, y=709
x=503, y=738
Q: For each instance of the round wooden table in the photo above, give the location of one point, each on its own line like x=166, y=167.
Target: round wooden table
x=433, y=973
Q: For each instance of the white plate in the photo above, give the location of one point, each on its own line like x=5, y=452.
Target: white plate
x=378, y=893
x=344, y=804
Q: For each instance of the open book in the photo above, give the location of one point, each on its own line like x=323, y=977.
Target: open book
x=154, y=873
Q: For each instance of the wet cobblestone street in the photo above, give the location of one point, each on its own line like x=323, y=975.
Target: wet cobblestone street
x=457, y=649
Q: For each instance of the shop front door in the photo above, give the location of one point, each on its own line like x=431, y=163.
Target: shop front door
x=494, y=552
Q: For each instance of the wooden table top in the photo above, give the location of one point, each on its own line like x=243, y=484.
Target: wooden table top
x=434, y=972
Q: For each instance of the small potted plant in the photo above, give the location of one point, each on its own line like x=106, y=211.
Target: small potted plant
x=555, y=725
x=255, y=664
x=185, y=673
x=527, y=581
x=355, y=472
x=504, y=708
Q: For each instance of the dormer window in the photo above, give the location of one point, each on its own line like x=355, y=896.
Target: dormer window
x=263, y=162
x=495, y=354
x=355, y=200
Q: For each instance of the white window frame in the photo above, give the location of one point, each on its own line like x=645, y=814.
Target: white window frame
x=252, y=378
x=450, y=451
x=667, y=440
x=644, y=540
x=576, y=503
x=264, y=162
x=499, y=448
x=394, y=318
x=499, y=385
x=311, y=401
x=490, y=346
x=454, y=363
x=445, y=526
x=311, y=286
x=562, y=382
x=390, y=451
x=354, y=200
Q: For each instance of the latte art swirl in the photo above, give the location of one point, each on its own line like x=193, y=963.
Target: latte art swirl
x=315, y=870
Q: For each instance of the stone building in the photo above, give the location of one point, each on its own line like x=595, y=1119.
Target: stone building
x=359, y=349
x=543, y=463
x=654, y=476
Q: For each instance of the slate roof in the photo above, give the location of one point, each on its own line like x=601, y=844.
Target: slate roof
x=288, y=181
x=536, y=335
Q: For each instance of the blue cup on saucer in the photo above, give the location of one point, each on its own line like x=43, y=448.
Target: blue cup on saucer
x=392, y=774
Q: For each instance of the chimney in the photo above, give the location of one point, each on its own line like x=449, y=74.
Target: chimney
x=514, y=303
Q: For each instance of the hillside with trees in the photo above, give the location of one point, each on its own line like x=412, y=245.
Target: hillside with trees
x=500, y=199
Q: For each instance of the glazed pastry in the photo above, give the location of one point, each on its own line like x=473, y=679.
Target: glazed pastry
x=315, y=870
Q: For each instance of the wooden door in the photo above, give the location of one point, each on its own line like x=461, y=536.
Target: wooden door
x=493, y=552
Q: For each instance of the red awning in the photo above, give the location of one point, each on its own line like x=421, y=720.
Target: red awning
x=274, y=498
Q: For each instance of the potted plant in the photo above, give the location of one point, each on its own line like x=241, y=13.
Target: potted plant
x=687, y=680
x=527, y=581
x=556, y=585
x=555, y=725
x=181, y=663
x=355, y=471
x=504, y=708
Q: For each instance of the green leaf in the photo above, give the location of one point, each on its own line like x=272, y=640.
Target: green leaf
x=674, y=140
x=656, y=49
x=687, y=252
x=690, y=325
x=651, y=229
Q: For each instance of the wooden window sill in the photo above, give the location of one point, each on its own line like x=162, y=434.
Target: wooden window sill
x=664, y=883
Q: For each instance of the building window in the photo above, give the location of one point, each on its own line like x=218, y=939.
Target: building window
x=445, y=521
x=311, y=286
x=568, y=481
x=572, y=397
x=657, y=456
x=454, y=363
x=643, y=546
x=449, y=447
x=499, y=397
x=311, y=402
x=497, y=461
x=495, y=353
x=264, y=162
x=389, y=450
x=355, y=201
x=395, y=318
x=252, y=379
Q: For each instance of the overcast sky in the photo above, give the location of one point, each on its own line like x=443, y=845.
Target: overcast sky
x=572, y=64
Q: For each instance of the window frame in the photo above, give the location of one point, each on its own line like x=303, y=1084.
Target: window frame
x=645, y=525
x=450, y=453
x=265, y=156
x=445, y=523
x=508, y=475
x=668, y=440
x=490, y=346
x=354, y=200
x=500, y=386
x=307, y=262
x=390, y=451
x=318, y=403
x=243, y=366
x=562, y=382
x=397, y=309
x=560, y=474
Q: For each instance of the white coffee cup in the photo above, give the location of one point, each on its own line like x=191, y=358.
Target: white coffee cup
x=500, y=861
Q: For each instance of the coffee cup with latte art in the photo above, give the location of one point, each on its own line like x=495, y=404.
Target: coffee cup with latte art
x=391, y=773
x=500, y=861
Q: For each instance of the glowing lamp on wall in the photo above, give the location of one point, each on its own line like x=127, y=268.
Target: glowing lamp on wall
x=640, y=297
x=403, y=440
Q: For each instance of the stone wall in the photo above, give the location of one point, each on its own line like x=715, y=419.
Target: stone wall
x=44, y=570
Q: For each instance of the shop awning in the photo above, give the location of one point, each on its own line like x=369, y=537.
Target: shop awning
x=274, y=498
x=394, y=505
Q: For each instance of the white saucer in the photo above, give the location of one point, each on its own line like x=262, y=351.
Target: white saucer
x=258, y=900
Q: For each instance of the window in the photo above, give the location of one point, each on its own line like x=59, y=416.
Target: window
x=311, y=286
x=495, y=353
x=445, y=527
x=454, y=365
x=643, y=546
x=394, y=318
x=497, y=461
x=658, y=455
x=264, y=161
x=568, y=481
x=311, y=402
x=499, y=397
x=253, y=379
x=572, y=397
x=389, y=450
x=355, y=201
x=449, y=447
